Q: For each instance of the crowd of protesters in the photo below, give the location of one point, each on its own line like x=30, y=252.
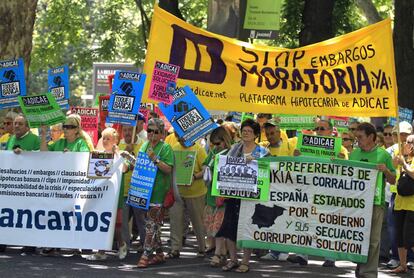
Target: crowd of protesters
x=214, y=219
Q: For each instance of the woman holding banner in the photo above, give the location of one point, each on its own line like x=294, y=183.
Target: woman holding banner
x=247, y=148
x=214, y=209
x=73, y=141
x=110, y=140
x=74, y=137
x=162, y=156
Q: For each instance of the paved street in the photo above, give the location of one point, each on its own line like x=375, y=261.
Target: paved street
x=12, y=264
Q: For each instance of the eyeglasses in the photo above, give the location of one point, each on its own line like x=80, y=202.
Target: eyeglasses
x=149, y=130
x=347, y=139
x=387, y=134
x=319, y=128
x=69, y=126
x=216, y=143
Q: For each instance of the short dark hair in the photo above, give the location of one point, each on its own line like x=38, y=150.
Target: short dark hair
x=254, y=125
x=368, y=129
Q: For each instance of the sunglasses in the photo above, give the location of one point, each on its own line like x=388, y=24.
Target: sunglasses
x=387, y=134
x=69, y=126
x=352, y=128
x=7, y=123
x=216, y=143
x=152, y=130
x=346, y=139
x=321, y=128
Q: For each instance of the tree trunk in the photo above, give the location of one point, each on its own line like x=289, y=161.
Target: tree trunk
x=171, y=6
x=404, y=51
x=317, y=21
x=369, y=10
x=16, y=29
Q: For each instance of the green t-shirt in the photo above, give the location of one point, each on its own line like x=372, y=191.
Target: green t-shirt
x=376, y=156
x=211, y=200
x=28, y=142
x=79, y=145
x=162, y=181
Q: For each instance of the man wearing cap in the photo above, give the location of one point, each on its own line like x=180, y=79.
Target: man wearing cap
x=141, y=133
x=277, y=147
x=368, y=151
x=8, y=128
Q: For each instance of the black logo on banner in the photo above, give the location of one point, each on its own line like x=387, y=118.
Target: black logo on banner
x=316, y=141
x=214, y=48
x=266, y=216
x=35, y=100
x=190, y=119
x=126, y=87
x=123, y=103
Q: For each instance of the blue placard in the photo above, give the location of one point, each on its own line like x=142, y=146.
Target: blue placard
x=405, y=114
x=188, y=116
x=142, y=182
x=125, y=98
x=58, y=85
x=12, y=82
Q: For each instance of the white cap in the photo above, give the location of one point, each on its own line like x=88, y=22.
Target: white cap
x=405, y=127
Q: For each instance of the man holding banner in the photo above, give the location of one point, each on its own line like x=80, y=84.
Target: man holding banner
x=369, y=152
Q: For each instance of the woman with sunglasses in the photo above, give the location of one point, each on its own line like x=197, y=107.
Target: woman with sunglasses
x=161, y=154
x=348, y=141
x=220, y=141
x=404, y=210
x=247, y=148
x=75, y=139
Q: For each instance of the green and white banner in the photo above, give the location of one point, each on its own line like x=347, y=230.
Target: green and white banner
x=317, y=206
x=184, y=167
x=320, y=146
x=233, y=177
x=41, y=110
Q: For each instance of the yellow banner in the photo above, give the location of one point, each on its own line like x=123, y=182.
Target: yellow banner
x=350, y=75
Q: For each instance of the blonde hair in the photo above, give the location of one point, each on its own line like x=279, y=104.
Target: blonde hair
x=111, y=131
x=75, y=119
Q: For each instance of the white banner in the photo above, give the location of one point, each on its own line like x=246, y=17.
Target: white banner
x=317, y=207
x=46, y=200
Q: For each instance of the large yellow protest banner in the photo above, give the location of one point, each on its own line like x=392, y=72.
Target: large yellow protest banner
x=353, y=74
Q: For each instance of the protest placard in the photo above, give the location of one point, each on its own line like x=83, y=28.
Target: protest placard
x=188, y=116
x=100, y=165
x=234, y=178
x=184, y=167
x=12, y=82
x=125, y=99
x=58, y=84
x=352, y=74
x=295, y=122
x=89, y=121
x=162, y=75
x=54, y=204
x=317, y=207
x=404, y=114
x=321, y=146
x=41, y=110
x=142, y=182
